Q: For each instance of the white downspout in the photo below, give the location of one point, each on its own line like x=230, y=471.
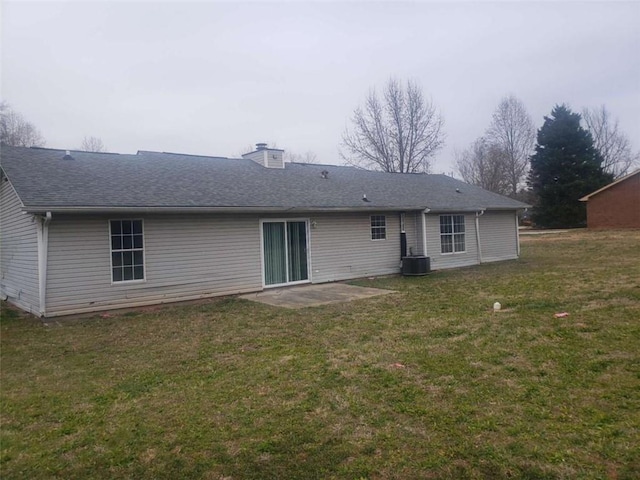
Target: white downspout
x=478, y=215
x=42, y=228
x=424, y=231
x=518, y=233
x=417, y=230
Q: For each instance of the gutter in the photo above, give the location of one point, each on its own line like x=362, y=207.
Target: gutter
x=476, y=209
x=479, y=213
x=42, y=210
x=42, y=229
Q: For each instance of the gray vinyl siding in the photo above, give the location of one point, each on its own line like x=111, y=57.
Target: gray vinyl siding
x=414, y=234
x=19, y=252
x=267, y=158
x=341, y=247
x=186, y=257
x=258, y=156
x=498, y=236
x=189, y=257
x=417, y=221
x=275, y=159
x=451, y=260
x=199, y=256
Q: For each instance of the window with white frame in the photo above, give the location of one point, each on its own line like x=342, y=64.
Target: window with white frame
x=378, y=227
x=452, y=238
x=127, y=250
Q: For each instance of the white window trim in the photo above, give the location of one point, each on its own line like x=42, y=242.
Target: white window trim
x=452, y=234
x=371, y=227
x=144, y=254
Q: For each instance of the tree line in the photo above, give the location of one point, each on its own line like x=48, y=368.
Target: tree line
x=499, y=160
x=570, y=156
x=17, y=131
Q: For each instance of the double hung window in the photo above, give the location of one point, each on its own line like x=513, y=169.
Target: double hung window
x=127, y=250
x=378, y=227
x=452, y=234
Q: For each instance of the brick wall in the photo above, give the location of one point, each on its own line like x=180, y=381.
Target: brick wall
x=617, y=206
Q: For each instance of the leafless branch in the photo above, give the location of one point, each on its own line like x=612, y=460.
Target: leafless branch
x=307, y=157
x=16, y=131
x=614, y=146
x=486, y=165
x=92, y=144
x=400, y=133
x=513, y=131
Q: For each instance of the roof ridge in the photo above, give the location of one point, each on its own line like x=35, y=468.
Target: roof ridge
x=311, y=164
x=181, y=154
x=72, y=150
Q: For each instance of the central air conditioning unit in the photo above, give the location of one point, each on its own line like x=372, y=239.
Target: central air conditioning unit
x=416, y=265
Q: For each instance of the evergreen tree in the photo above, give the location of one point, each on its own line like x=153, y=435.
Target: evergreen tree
x=565, y=167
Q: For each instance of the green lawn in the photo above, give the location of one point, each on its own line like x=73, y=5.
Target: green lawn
x=425, y=383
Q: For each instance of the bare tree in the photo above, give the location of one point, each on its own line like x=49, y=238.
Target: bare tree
x=399, y=133
x=16, y=131
x=614, y=146
x=92, y=144
x=485, y=164
x=513, y=131
x=307, y=157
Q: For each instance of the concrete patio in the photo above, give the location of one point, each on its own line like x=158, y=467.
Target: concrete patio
x=313, y=295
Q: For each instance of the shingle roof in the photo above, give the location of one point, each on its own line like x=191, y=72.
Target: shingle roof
x=166, y=181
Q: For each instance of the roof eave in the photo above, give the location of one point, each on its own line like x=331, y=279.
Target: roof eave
x=40, y=209
x=476, y=209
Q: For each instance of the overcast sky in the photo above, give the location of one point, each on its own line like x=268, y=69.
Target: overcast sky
x=214, y=78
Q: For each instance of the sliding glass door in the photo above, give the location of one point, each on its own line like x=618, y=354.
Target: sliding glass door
x=297, y=251
x=275, y=255
x=284, y=245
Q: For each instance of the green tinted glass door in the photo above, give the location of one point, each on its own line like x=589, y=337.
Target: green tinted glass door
x=297, y=251
x=275, y=256
x=285, y=252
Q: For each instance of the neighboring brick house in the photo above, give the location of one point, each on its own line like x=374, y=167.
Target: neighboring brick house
x=616, y=205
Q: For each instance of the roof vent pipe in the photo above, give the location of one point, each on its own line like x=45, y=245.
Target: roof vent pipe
x=67, y=155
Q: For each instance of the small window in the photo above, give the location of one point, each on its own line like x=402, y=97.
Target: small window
x=452, y=234
x=127, y=251
x=378, y=227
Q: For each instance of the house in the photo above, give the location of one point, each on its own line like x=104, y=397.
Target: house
x=616, y=205
x=83, y=231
